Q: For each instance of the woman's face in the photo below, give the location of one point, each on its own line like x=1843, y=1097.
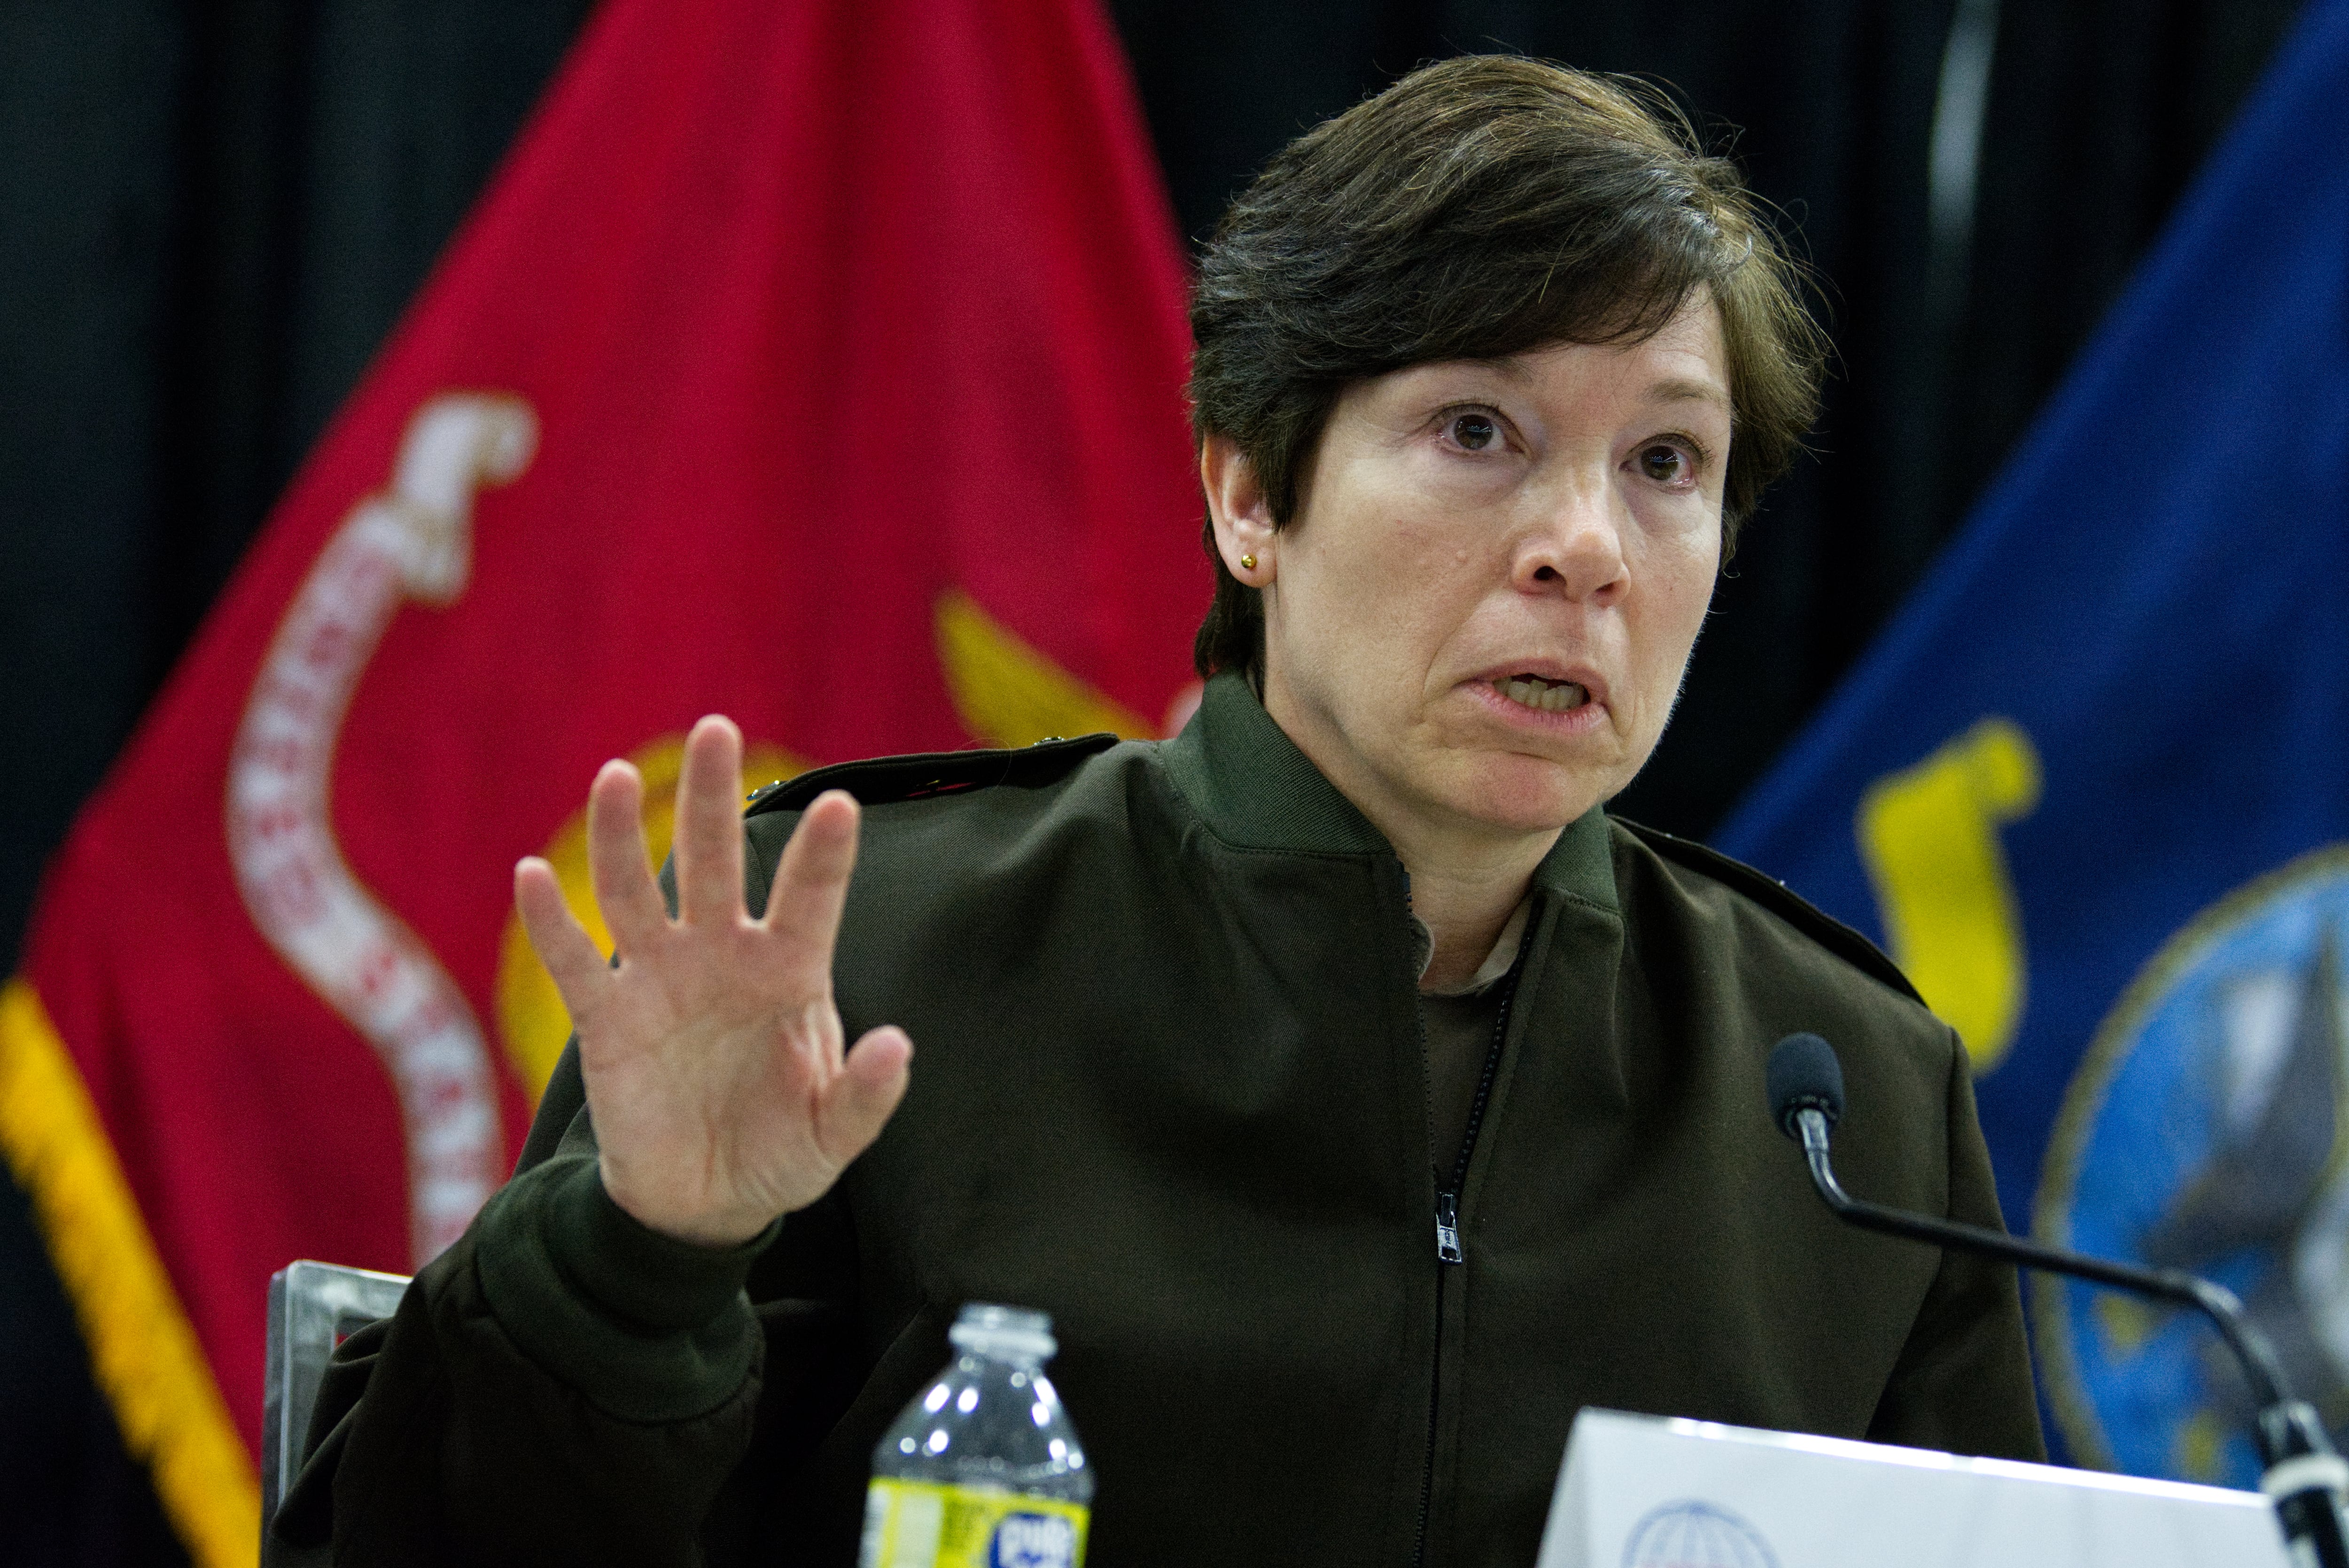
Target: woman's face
x=1479, y=618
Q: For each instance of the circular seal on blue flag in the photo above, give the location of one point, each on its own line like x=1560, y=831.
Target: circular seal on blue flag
x=1695, y=1534
x=2205, y=1131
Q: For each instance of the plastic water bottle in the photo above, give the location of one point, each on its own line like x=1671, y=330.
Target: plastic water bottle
x=984, y=1470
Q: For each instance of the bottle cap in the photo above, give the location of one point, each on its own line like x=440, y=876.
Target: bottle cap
x=1009, y=1332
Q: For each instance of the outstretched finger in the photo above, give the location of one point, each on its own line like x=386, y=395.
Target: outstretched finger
x=617, y=862
x=859, y=1101
x=811, y=886
x=561, y=942
x=708, y=842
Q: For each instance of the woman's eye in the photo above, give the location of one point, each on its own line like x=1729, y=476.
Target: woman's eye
x=1665, y=464
x=1474, y=431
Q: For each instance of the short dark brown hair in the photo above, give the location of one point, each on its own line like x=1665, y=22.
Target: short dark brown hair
x=1480, y=207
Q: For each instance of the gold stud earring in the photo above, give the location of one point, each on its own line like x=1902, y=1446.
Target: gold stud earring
x=1247, y=562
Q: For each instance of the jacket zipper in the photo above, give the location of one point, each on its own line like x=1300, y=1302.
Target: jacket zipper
x=1447, y=1198
x=1448, y=1250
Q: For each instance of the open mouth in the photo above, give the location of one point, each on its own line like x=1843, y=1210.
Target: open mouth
x=1543, y=695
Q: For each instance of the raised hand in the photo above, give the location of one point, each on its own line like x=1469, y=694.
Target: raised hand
x=712, y=1050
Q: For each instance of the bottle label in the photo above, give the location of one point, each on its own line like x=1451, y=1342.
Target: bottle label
x=927, y=1524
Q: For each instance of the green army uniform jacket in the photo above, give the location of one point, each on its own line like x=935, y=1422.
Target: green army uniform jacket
x=1169, y=1086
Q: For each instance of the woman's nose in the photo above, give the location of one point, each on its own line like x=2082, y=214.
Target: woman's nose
x=1574, y=546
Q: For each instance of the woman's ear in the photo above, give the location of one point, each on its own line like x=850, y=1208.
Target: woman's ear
x=1240, y=510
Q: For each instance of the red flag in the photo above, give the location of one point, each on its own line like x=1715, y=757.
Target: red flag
x=817, y=364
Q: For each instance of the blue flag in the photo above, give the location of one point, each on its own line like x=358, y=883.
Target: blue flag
x=2092, y=790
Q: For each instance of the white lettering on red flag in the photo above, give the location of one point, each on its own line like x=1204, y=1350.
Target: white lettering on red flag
x=411, y=541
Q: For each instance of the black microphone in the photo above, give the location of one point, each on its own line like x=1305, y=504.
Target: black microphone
x=2304, y=1477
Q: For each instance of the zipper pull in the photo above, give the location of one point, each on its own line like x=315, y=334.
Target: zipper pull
x=1447, y=1228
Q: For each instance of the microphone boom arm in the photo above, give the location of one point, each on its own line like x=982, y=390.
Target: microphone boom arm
x=2216, y=1302
x=2304, y=1477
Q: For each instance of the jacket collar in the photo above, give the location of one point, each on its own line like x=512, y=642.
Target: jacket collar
x=1254, y=789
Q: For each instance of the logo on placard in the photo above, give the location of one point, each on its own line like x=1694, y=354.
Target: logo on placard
x=2208, y=1130
x=1033, y=1541
x=1693, y=1533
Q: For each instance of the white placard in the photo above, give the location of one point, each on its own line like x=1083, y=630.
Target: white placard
x=1643, y=1491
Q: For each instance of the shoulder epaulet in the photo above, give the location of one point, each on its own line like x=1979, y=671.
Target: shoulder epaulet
x=1781, y=901
x=925, y=774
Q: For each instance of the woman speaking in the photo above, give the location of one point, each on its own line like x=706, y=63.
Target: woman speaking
x=1360, y=1098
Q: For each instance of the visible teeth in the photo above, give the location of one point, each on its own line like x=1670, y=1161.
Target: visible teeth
x=1549, y=697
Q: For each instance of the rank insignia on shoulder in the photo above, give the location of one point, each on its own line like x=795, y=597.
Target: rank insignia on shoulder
x=882, y=779
x=1780, y=900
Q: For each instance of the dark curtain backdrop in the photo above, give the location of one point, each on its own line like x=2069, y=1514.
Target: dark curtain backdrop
x=210, y=214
